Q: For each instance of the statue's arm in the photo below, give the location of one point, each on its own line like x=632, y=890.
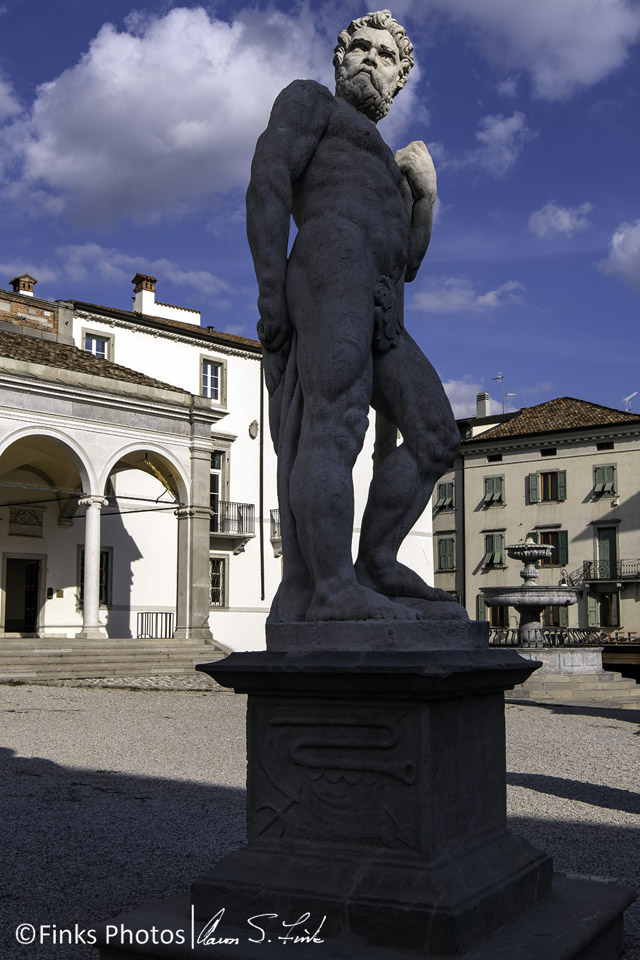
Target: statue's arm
x=419, y=172
x=296, y=125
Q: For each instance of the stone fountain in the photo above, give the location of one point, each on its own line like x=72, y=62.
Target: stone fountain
x=530, y=598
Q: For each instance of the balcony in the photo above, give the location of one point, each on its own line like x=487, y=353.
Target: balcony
x=275, y=534
x=606, y=570
x=232, y=524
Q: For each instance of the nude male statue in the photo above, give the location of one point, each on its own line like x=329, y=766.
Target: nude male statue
x=334, y=343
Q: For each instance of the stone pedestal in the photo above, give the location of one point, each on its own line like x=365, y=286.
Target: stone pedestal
x=376, y=809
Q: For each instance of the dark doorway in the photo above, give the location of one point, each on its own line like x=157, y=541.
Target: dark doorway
x=22, y=591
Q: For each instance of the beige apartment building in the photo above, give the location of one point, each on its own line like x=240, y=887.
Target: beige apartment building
x=566, y=473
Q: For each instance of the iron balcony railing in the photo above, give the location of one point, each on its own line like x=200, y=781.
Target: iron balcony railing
x=233, y=519
x=275, y=525
x=606, y=570
x=553, y=637
x=154, y=626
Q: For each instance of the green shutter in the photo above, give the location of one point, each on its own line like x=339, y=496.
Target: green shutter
x=532, y=486
x=609, y=480
x=563, y=616
x=534, y=535
x=562, y=484
x=488, y=548
x=483, y=613
x=441, y=495
x=598, y=480
x=563, y=548
x=445, y=554
x=488, y=489
x=592, y=611
x=498, y=548
x=498, y=489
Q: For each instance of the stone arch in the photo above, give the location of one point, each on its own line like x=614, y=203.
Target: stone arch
x=154, y=459
x=52, y=438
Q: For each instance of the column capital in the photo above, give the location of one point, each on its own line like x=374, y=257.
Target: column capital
x=183, y=513
x=93, y=501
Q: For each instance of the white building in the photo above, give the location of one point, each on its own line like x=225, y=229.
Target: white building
x=137, y=484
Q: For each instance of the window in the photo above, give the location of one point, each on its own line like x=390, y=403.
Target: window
x=215, y=489
x=496, y=616
x=547, y=487
x=212, y=380
x=106, y=565
x=555, y=616
x=605, y=445
x=494, y=550
x=558, y=540
x=493, y=491
x=603, y=609
x=494, y=458
x=604, y=481
x=548, y=452
x=446, y=553
x=98, y=346
x=445, y=499
x=218, y=581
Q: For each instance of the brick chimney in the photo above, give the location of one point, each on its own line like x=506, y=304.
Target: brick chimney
x=483, y=403
x=144, y=290
x=23, y=284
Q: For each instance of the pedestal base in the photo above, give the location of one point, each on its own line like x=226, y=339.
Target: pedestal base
x=376, y=815
x=579, y=920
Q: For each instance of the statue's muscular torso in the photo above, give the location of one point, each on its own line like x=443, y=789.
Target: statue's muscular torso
x=352, y=174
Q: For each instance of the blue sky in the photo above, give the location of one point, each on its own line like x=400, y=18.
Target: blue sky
x=126, y=135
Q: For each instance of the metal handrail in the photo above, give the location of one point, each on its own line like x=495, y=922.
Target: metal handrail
x=230, y=517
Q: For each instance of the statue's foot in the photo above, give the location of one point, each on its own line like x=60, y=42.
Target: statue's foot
x=396, y=580
x=291, y=601
x=435, y=609
x=356, y=602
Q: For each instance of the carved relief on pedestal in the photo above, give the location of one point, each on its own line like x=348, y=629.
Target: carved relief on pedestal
x=324, y=773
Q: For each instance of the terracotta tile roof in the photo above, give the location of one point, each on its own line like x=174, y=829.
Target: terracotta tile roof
x=207, y=333
x=559, y=415
x=15, y=346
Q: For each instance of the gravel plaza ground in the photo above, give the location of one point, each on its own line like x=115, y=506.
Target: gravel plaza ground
x=112, y=798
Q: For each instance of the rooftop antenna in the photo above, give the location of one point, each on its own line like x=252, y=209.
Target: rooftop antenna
x=627, y=400
x=500, y=377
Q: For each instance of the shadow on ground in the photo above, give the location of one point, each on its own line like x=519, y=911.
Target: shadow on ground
x=80, y=846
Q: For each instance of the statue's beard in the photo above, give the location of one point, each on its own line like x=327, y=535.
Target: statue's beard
x=363, y=94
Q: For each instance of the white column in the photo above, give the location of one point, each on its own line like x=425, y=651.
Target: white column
x=91, y=628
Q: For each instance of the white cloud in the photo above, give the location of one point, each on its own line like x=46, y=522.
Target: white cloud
x=165, y=113
x=552, y=218
x=79, y=261
x=623, y=261
x=562, y=45
x=459, y=295
x=462, y=396
x=508, y=87
x=9, y=106
x=14, y=268
x=500, y=139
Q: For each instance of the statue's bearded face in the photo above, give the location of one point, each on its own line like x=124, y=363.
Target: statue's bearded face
x=368, y=75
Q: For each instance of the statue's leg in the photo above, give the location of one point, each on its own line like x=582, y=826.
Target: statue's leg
x=407, y=391
x=330, y=294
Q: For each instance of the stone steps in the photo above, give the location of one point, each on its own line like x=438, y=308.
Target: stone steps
x=61, y=658
x=605, y=688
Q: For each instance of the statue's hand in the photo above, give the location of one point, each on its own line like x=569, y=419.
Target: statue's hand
x=274, y=332
x=274, y=326
x=417, y=166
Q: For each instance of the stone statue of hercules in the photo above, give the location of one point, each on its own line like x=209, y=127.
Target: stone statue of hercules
x=334, y=344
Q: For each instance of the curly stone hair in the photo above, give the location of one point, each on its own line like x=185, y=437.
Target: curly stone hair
x=380, y=20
